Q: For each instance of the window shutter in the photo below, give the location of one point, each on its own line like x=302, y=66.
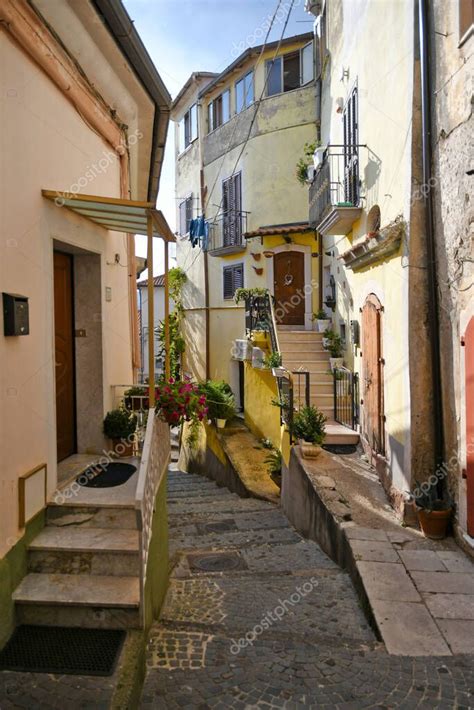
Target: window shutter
x=228, y=282
x=182, y=218
x=238, y=277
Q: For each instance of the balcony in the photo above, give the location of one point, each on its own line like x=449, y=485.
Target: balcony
x=226, y=232
x=334, y=195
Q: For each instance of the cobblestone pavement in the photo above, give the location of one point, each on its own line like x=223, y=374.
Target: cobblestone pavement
x=45, y=691
x=280, y=627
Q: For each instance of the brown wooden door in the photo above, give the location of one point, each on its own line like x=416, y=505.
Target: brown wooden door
x=469, y=374
x=64, y=356
x=373, y=419
x=288, y=284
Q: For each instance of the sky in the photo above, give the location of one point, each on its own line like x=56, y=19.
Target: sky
x=182, y=36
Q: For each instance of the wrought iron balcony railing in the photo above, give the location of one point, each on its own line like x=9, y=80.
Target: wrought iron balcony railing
x=334, y=195
x=226, y=232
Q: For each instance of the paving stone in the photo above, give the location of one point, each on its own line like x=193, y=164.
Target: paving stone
x=408, y=629
x=456, y=561
x=422, y=560
x=459, y=634
x=373, y=550
x=387, y=581
x=444, y=582
x=450, y=606
x=356, y=532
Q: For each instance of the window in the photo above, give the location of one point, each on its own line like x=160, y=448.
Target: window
x=232, y=210
x=233, y=279
x=188, y=128
x=185, y=215
x=466, y=19
x=244, y=92
x=350, y=118
x=290, y=71
x=218, y=111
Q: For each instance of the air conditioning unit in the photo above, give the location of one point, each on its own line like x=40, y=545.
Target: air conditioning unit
x=318, y=156
x=258, y=357
x=242, y=350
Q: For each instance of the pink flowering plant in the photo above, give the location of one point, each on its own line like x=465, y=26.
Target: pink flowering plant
x=179, y=401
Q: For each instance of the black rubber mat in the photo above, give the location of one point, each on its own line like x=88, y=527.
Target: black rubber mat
x=71, y=651
x=107, y=475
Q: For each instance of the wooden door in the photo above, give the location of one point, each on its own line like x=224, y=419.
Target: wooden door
x=469, y=374
x=373, y=420
x=64, y=355
x=288, y=284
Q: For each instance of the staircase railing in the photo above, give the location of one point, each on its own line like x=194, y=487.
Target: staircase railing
x=346, y=397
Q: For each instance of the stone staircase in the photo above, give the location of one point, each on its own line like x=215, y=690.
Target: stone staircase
x=83, y=569
x=303, y=349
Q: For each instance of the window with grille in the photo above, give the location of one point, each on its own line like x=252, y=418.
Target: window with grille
x=350, y=118
x=185, y=215
x=233, y=278
x=232, y=210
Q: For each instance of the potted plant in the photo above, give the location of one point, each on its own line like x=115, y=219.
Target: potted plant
x=220, y=401
x=179, y=401
x=136, y=398
x=273, y=362
x=322, y=321
x=309, y=427
x=274, y=461
x=327, y=337
x=120, y=426
x=335, y=350
x=434, y=510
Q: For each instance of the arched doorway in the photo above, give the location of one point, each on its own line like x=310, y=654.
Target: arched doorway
x=373, y=418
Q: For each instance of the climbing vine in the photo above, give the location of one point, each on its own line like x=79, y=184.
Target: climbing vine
x=176, y=280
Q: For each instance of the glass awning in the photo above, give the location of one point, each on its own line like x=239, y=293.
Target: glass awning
x=118, y=215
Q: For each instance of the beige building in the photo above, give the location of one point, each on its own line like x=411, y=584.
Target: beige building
x=238, y=137
x=83, y=111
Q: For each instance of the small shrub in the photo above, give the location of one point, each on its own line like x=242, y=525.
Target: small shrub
x=119, y=424
x=308, y=424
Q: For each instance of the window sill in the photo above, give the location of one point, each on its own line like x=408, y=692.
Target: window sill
x=187, y=149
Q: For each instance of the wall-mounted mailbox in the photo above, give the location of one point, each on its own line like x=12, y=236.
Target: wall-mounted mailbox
x=15, y=314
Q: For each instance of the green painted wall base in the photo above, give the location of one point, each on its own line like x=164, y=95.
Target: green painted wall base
x=13, y=567
x=158, y=561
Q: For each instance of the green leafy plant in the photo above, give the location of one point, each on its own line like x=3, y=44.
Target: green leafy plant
x=305, y=161
x=219, y=399
x=119, y=424
x=179, y=401
x=266, y=443
x=242, y=294
x=335, y=346
x=426, y=497
x=272, y=360
x=282, y=402
x=320, y=315
x=176, y=280
x=308, y=424
x=274, y=461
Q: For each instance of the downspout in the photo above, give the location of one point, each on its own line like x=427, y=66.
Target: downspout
x=423, y=22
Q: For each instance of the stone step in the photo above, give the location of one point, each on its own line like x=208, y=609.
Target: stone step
x=97, y=602
x=299, y=336
x=78, y=550
x=339, y=434
x=296, y=359
x=91, y=516
x=301, y=347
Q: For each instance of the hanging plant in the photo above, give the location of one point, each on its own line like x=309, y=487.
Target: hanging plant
x=305, y=161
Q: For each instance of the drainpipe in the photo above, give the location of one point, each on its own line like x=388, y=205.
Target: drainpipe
x=423, y=22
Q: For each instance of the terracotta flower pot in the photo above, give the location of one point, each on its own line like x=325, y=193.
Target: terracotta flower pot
x=309, y=450
x=434, y=523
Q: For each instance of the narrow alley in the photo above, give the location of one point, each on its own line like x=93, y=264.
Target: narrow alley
x=256, y=616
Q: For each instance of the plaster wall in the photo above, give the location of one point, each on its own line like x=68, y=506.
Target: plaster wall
x=370, y=45
x=46, y=144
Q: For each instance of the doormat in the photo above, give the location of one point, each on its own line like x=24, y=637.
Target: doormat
x=70, y=651
x=340, y=449
x=107, y=475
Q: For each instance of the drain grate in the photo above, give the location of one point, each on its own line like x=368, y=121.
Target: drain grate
x=340, y=449
x=71, y=651
x=216, y=562
x=217, y=526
